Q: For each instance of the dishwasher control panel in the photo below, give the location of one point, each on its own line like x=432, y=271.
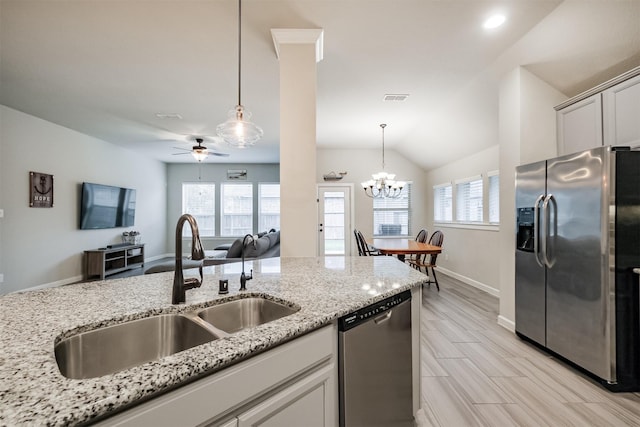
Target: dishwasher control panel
x=371, y=311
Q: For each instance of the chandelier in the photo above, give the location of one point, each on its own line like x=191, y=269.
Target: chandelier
x=383, y=184
x=238, y=130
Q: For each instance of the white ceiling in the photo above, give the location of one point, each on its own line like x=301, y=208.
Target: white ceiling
x=106, y=67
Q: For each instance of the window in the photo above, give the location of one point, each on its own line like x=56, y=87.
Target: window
x=494, y=197
x=391, y=216
x=236, y=216
x=469, y=200
x=268, y=207
x=442, y=203
x=199, y=200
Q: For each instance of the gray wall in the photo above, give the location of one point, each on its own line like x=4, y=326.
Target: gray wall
x=43, y=246
x=359, y=165
x=468, y=251
x=210, y=172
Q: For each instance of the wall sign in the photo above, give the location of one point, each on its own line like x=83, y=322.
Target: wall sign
x=40, y=190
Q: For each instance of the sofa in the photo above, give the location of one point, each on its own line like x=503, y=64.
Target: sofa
x=267, y=245
x=263, y=245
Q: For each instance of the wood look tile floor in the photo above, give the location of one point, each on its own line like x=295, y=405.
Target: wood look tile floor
x=477, y=373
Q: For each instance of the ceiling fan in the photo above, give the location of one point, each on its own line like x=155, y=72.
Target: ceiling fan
x=199, y=152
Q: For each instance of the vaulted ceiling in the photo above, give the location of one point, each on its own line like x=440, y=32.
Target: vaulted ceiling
x=109, y=68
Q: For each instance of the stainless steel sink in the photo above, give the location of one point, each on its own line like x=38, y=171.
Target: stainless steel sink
x=114, y=348
x=234, y=316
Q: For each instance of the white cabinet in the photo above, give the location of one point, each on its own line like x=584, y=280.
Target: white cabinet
x=608, y=114
x=622, y=113
x=299, y=404
x=292, y=384
x=579, y=125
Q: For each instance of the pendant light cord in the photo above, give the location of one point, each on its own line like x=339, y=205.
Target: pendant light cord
x=239, y=46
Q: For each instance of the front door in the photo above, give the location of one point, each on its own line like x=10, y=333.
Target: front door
x=334, y=213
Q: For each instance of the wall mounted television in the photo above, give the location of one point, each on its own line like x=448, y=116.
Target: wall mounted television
x=105, y=206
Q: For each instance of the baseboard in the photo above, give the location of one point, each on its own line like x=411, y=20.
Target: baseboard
x=488, y=289
x=507, y=323
x=55, y=284
x=76, y=279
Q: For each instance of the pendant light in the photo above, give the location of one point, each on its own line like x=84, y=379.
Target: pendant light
x=383, y=184
x=238, y=131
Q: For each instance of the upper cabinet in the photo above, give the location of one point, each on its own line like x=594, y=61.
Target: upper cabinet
x=608, y=114
x=579, y=126
x=622, y=108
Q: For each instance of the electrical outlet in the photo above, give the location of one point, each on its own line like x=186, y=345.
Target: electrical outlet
x=1, y=278
x=446, y=257
x=1, y=213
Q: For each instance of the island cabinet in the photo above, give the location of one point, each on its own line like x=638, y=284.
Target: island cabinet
x=105, y=261
x=608, y=114
x=292, y=384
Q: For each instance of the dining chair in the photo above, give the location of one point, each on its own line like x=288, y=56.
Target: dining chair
x=420, y=237
x=363, y=247
x=429, y=260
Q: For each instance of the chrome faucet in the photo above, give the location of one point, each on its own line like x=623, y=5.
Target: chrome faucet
x=180, y=285
x=244, y=278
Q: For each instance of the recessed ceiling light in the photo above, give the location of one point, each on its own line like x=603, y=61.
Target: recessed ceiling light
x=494, y=21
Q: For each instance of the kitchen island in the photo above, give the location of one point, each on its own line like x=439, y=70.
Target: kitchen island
x=34, y=392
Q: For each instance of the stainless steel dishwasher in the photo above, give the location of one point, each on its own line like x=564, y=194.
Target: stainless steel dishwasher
x=374, y=345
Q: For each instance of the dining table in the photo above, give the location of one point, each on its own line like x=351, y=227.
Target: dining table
x=403, y=246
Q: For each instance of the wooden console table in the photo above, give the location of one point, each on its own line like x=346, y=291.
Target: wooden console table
x=105, y=261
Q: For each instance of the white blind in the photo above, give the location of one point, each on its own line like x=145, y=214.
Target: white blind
x=391, y=217
x=442, y=203
x=494, y=197
x=268, y=207
x=199, y=200
x=237, y=209
x=469, y=200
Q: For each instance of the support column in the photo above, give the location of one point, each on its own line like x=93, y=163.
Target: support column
x=298, y=51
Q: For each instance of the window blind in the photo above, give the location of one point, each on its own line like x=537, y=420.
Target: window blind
x=199, y=200
x=442, y=203
x=494, y=197
x=469, y=200
x=236, y=216
x=268, y=207
x=392, y=217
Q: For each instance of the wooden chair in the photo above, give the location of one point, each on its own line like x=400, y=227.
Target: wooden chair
x=363, y=247
x=429, y=261
x=420, y=237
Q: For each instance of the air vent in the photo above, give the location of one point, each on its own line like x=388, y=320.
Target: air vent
x=168, y=116
x=396, y=96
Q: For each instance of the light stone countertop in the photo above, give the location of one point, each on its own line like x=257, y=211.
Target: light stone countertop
x=33, y=392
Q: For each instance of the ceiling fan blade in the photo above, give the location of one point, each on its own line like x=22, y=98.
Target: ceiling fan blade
x=184, y=149
x=216, y=153
x=180, y=154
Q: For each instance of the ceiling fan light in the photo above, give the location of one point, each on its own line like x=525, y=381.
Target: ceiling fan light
x=199, y=155
x=238, y=131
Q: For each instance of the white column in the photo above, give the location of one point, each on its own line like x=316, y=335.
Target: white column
x=298, y=51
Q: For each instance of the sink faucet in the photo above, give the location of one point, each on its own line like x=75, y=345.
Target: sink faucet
x=244, y=278
x=180, y=285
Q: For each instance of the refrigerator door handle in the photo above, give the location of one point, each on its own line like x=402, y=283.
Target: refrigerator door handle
x=536, y=230
x=546, y=223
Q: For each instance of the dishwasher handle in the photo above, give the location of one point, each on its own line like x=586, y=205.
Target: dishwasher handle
x=383, y=317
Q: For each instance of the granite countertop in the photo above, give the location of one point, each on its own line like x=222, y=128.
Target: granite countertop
x=33, y=392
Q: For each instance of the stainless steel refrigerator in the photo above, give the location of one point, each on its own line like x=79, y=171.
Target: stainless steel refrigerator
x=577, y=243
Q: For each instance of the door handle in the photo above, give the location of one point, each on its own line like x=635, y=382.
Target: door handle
x=536, y=230
x=547, y=221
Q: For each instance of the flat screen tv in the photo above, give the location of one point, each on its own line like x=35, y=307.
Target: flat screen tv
x=104, y=206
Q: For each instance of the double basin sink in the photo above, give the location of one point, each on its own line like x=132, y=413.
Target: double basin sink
x=114, y=348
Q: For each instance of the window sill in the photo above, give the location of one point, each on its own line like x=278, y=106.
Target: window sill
x=469, y=226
